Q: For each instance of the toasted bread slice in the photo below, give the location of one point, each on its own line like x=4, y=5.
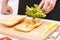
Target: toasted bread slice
x=12, y=20
x=27, y=25
x=22, y=27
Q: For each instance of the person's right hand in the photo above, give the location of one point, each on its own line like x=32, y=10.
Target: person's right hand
x=47, y=5
x=6, y=10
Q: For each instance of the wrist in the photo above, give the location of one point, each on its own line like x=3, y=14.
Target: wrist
x=5, y=2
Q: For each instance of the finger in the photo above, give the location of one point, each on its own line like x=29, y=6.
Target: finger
x=5, y=13
x=45, y=7
x=10, y=10
x=41, y=4
x=51, y=6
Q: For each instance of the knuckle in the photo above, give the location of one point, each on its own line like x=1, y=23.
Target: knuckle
x=51, y=6
x=48, y=1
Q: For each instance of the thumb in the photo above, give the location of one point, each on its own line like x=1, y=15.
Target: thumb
x=10, y=10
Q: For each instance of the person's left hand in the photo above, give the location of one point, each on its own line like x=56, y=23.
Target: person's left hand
x=47, y=5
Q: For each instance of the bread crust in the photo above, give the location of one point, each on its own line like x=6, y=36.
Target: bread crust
x=26, y=27
x=12, y=20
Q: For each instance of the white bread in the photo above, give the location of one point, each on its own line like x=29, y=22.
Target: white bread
x=26, y=27
x=12, y=20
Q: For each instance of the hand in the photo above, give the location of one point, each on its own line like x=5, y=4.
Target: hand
x=6, y=10
x=47, y=5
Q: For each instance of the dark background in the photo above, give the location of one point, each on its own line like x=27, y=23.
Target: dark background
x=53, y=15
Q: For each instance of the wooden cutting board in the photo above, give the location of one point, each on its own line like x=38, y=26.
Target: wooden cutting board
x=32, y=35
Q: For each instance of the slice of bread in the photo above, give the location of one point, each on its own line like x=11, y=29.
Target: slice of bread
x=27, y=25
x=12, y=20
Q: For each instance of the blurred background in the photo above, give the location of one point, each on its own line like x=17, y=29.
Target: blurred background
x=13, y=4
